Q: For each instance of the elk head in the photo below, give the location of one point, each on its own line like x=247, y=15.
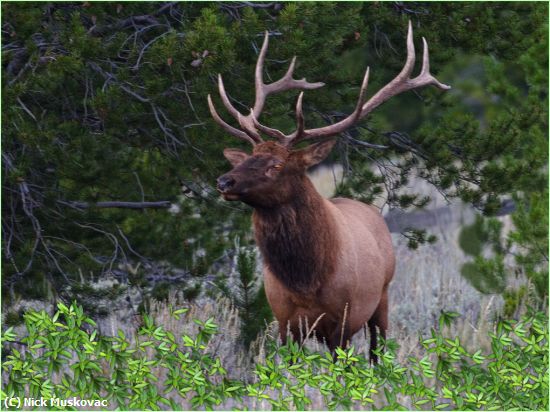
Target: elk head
x=274, y=171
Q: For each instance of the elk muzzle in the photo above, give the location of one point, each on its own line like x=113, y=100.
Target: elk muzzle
x=224, y=185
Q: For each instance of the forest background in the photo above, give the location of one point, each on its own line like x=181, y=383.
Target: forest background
x=109, y=153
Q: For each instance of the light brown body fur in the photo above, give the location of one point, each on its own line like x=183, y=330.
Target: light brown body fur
x=364, y=268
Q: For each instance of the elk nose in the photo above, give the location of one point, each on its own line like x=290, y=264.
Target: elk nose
x=225, y=183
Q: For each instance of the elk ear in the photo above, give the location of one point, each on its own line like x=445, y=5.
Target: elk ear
x=235, y=156
x=315, y=153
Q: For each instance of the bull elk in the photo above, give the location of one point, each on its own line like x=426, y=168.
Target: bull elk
x=325, y=261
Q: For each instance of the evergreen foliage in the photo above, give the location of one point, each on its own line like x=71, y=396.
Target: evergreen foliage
x=523, y=251
x=248, y=295
x=251, y=301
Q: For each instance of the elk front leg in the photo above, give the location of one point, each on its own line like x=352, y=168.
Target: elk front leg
x=380, y=319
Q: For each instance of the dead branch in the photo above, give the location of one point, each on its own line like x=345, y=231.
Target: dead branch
x=163, y=204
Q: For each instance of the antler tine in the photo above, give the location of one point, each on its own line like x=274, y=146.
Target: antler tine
x=287, y=82
x=258, y=78
x=225, y=99
x=299, y=116
x=411, y=56
x=298, y=134
x=228, y=128
x=425, y=58
x=425, y=71
x=361, y=99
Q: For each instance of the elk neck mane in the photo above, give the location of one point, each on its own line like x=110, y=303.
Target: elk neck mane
x=298, y=240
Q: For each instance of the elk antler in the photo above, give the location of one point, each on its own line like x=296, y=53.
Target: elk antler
x=263, y=90
x=401, y=83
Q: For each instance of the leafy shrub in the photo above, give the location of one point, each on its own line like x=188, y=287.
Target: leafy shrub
x=64, y=356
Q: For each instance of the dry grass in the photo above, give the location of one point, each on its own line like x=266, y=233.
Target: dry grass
x=428, y=281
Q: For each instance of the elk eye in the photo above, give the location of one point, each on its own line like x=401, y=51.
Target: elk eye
x=273, y=170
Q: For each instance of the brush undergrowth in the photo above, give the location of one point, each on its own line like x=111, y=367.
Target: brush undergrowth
x=63, y=356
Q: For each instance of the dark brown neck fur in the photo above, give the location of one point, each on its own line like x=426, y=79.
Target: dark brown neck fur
x=298, y=240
